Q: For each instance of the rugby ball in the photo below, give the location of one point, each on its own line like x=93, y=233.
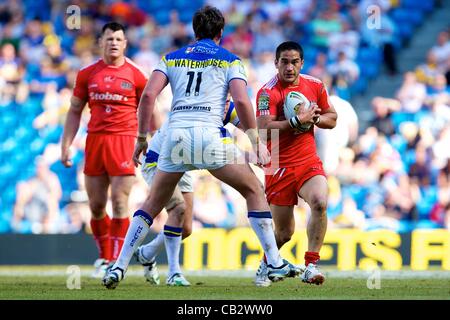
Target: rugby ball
x=292, y=103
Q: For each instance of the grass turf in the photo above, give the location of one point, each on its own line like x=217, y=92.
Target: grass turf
x=30, y=286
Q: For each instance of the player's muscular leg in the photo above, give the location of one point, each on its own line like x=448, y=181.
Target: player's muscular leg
x=120, y=191
x=175, y=209
x=283, y=219
x=187, y=225
x=315, y=193
x=164, y=184
x=242, y=178
x=181, y=215
x=97, y=191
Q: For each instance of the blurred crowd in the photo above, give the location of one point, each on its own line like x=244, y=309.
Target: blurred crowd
x=396, y=174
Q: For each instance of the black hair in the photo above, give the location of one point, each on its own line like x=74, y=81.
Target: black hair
x=208, y=22
x=289, y=45
x=114, y=26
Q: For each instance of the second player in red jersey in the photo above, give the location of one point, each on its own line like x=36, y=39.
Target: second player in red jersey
x=112, y=88
x=296, y=169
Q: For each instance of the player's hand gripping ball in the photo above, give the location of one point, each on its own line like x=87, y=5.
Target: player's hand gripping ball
x=292, y=103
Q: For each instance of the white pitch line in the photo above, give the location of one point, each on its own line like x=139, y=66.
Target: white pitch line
x=357, y=274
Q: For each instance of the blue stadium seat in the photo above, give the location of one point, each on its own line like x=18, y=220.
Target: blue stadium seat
x=427, y=224
x=162, y=17
x=37, y=146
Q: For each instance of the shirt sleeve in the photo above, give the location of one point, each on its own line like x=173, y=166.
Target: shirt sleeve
x=266, y=103
x=323, y=102
x=231, y=116
x=80, y=88
x=162, y=66
x=237, y=71
x=141, y=81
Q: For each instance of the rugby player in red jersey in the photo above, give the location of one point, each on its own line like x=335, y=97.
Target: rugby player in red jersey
x=111, y=87
x=299, y=171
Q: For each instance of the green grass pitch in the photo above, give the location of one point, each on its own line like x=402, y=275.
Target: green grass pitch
x=51, y=283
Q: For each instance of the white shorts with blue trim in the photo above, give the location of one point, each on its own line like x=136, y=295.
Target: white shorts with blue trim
x=193, y=148
x=185, y=184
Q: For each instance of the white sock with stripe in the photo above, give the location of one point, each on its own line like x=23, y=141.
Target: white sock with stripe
x=261, y=222
x=172, y=240
x=137, y=231
x=151, y=249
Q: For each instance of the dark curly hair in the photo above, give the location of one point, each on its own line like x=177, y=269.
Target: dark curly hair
x=208, y=22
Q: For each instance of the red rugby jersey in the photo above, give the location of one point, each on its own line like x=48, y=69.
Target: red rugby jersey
x=113, y=94
x=294, y=148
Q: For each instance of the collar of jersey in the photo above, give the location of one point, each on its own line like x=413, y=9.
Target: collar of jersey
x=208, y=41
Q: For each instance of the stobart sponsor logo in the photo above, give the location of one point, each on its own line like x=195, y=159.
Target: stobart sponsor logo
x=107, y=96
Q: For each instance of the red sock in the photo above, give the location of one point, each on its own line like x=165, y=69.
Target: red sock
x=311, y=257
x=118, y=232
x=100, y=230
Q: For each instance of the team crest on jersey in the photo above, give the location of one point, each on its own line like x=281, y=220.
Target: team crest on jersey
x=109, y=78
x=263, y=101
x=126, y=85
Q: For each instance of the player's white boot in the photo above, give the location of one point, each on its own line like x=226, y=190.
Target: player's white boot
x=279, y=273
x=177, y=280
x=312, y=275
x=150, y=269
x=261, y=278
x=295, y=271
x=101, y=266
x=113, y=277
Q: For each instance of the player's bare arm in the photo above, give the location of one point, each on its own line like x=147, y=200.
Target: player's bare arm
x=153, y=88
x=244, y=110
x=270, y=122
x=327, y=119
x=71, y=128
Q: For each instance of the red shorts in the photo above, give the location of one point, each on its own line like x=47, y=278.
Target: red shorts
x=283, y=186
x=109, y=154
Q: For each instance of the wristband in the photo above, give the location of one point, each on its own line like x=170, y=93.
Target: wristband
x=142, y=135
x=294, y=122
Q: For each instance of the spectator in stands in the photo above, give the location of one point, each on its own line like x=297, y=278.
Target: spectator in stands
x=440, y=213
x=441, y=50
x=11, y=73
x=427, y=72
x=382, y=38
x=327, y=23
x=411, y=94
x=439, y=116
x=210, y=206
x=319, y=69
x=382, y=110
x=178, y=31
x=266, y=38
x=301, y=10
x=344, y=69
x=441, y=151
x=234, y=17
x=146, y=57
x=37, y=205
x=350, y=217
x=240, y=41
x=420, y=168
x=346, y=40
x=32, y=48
